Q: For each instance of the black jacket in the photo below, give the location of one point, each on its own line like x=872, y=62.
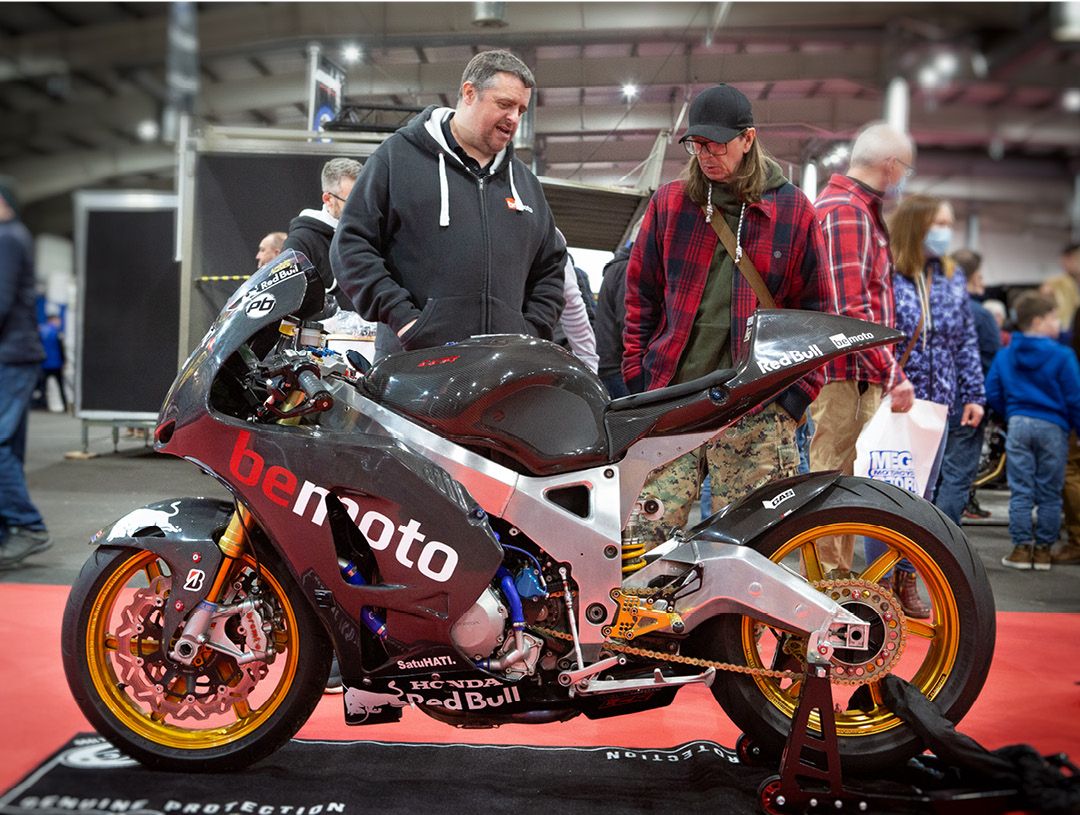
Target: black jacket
x=20, y=343
x=310, y=232
x=611, y=314
x=422, y=238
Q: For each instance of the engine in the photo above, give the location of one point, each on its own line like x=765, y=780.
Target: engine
x=492, y=633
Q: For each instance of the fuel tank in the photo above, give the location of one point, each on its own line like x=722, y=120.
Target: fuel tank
x=534, y=404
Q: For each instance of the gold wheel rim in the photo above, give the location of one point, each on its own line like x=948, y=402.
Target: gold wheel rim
x=100, y=643
x=941, y=632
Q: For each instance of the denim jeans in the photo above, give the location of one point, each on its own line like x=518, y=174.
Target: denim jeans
x=1035, y=453
x=16, y=508
x=960, y=462
x=804, y=434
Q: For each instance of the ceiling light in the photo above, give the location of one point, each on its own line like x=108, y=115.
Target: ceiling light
x=629, y=90
x=351, y=54
x=1070, y=100
x=946, y=63
x=929, y=77
x=489, y=15
x=1066, y=21
x=147, y=130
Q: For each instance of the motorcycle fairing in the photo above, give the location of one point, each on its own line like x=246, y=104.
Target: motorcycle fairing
x=450, y=689
x=433, y=547
x=782, y=346
x=410, y=507
x=757, y=513
x=183, y=532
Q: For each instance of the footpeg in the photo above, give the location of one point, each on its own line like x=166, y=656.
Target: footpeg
x=658, y=680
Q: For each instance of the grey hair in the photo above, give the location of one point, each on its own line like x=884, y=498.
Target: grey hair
x=877, y=142
x=481, y=70
x=336, y=169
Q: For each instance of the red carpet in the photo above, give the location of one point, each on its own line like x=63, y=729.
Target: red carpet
x=1032, y=696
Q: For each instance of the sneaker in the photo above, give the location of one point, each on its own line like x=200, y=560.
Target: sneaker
x=20, y=543
x=906, y=588
x=1040, y=559
x=974, y=511
x=1068, y=553
x=1019, y=558
x=333, y=682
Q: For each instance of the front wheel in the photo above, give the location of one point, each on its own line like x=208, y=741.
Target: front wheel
x=947, y=656
x=211, y=715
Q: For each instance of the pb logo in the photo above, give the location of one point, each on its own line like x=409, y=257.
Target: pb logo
x=260, y=306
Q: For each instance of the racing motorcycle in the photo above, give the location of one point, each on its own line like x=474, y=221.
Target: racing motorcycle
x=461, y=526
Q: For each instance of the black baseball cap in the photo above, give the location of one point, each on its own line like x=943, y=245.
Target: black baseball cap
x=719, y=114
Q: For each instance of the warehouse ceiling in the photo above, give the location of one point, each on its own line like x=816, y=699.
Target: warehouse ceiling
x=993, y=108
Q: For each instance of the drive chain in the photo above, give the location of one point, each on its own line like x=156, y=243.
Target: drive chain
x=769, y=673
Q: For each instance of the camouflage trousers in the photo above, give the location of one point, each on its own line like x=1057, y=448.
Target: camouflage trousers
x=752, y=452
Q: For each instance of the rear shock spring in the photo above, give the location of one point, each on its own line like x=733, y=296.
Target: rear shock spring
x=633, y=547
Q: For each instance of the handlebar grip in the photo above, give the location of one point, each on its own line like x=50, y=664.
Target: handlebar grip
x=318, y=396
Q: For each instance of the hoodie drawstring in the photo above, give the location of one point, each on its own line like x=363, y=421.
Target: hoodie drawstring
x=444, y=192
x=520, y=207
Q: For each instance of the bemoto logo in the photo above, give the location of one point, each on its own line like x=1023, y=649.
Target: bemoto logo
x=844, y=341
x=260, y=306
x=434, y=559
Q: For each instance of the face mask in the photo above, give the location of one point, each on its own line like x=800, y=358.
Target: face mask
x=896, y=190
x=937, y=241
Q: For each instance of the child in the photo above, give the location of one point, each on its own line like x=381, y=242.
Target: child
x=1035, y=384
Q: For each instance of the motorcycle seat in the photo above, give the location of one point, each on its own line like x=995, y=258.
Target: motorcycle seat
x=672, y=392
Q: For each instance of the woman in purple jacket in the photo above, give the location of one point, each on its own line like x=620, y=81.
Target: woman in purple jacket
x=944, y=362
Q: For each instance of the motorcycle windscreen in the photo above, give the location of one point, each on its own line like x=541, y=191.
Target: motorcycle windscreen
x=282, y=287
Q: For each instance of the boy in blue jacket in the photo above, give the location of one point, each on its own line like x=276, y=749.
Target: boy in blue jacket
x=1035, y=383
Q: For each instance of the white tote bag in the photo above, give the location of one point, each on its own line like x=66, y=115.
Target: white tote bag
x=903, y=448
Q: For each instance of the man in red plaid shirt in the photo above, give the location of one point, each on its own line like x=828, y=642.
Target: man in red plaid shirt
x=687, y=304
x=849, y=209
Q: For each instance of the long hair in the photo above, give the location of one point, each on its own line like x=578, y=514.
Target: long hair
x=907, y=229
x=747, y=183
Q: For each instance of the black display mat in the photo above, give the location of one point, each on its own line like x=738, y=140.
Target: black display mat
x=326, y=777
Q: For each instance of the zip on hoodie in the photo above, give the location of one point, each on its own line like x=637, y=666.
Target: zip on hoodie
x=485, y=316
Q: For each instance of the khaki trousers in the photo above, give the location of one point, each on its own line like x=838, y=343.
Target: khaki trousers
x=752, y=452
x=840, y=413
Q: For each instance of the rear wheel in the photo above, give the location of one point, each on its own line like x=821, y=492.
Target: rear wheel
x=214, y=714
x=946, y=657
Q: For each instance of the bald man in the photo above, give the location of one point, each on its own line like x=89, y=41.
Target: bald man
x=269, y=248
x=849, y=209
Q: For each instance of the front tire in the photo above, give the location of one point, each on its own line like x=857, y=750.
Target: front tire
x=212, y=716
x=947, y=657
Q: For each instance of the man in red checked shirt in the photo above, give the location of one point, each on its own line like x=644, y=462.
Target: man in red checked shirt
x=849, y=210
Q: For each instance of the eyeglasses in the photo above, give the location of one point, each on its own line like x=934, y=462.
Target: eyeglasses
x=909, y=171
x=338, y=197
x=713, y=148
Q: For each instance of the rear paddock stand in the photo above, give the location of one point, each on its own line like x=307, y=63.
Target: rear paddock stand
x=810, y=780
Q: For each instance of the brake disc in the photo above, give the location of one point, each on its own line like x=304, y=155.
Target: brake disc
x=211, y=685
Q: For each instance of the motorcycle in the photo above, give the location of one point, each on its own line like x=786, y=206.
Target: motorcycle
x=459, y=524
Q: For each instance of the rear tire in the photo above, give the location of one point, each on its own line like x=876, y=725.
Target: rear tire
x=217, y=717
x=951, y=651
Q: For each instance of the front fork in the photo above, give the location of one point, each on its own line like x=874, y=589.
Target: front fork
x=206, y=625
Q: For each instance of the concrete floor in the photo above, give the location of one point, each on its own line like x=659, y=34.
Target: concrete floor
x=79, y=497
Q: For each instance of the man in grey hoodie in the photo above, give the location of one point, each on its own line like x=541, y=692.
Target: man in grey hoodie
x=446, y=234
